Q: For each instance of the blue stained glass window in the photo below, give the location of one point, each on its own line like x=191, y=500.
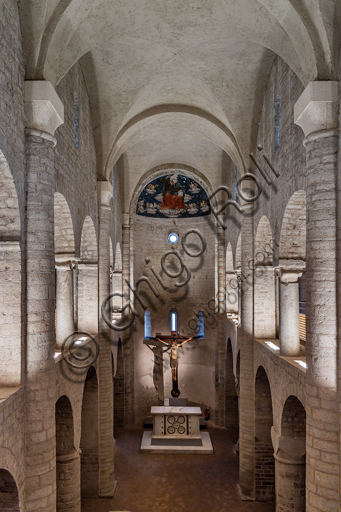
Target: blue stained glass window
x=147, y=324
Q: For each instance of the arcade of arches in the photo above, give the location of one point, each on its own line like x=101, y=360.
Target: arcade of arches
x=123, y=122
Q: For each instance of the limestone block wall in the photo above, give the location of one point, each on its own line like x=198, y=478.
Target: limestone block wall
x=11, y=97
x=75, y=168
x=196, y=360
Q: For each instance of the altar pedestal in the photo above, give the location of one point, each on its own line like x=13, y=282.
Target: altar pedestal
x=176, y=430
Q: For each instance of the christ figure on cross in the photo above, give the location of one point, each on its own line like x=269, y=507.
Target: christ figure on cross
x=175, y=343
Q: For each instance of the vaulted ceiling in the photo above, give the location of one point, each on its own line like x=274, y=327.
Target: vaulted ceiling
x=177, y=80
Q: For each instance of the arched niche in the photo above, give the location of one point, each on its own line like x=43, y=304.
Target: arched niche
x=10, y=279
x=89, y=437
x=264, y=458
x=291, y=458
x=67, y=459
x=9, y=496
x=231, y=398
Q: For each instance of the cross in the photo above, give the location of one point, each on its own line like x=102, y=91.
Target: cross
x=173, y=341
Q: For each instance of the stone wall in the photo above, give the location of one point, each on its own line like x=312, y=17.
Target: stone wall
x=197, y=359
x=75, y=168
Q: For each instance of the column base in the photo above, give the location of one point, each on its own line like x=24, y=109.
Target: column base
x=244, y=497
x=109, y=494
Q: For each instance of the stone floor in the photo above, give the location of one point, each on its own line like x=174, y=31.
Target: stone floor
x=182, y=483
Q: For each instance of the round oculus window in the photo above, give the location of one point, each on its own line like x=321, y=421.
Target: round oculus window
x=173, y=238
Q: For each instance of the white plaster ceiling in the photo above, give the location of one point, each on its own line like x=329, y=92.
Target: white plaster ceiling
x=173, y=80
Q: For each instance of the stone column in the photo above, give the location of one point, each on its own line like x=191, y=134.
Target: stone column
x=68, y=482
x=107, y=483
x=247, y=380
x=64, y=302
x=290, y=469
x=128, y=342
x=316, y=112
x=289, y=308
x=44, y=113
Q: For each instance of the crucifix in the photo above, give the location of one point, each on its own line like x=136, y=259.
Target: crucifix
x=173, y=342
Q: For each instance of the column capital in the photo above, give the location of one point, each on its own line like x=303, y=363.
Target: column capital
x=44, y=110
x=289, y=275
x=104, y=193
x=288, y=449
x=125, y=220
x=62, y=259
x=316, y=109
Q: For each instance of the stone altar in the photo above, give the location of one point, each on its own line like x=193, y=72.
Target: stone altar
x=176, y=429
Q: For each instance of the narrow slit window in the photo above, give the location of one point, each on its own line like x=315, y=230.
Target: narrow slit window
x=277, y=120
x=76, y=119
x=174, y=321
x=147, y=324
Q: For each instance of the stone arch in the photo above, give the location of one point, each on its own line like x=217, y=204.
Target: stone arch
x=264, y=459
x=231, y=398
x=264, y=243
x=67, y=458
x=292, y=256
x=292, y=245
x=64, y=240
x=64, y=243
x=293, y=422
x=89, y=437
x=159, y=170
x=10, y=279
x=9, y=495
x=290, y=457
x=88, y=279
x=264, y=282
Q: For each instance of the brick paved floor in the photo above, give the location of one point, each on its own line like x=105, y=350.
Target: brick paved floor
x=175, y=483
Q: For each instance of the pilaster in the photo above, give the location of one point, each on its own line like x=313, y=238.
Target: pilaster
x=316, y=113
x=107, y=483
x=44, y=113
x=247, y=380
